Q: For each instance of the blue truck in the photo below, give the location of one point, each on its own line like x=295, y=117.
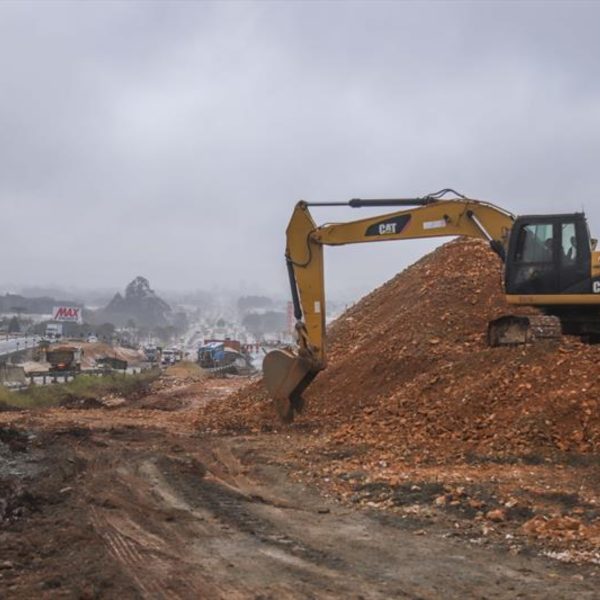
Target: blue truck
x=211, y=355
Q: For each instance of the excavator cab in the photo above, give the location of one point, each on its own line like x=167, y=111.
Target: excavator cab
x=549, y=255
x=549, y=264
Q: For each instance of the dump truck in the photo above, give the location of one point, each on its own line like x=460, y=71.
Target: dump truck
x=211, y=355
x=64, y=358
x=227, y=343
x=112, y=363
x=222, y=359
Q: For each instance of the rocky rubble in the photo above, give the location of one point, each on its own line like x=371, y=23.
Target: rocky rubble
x=410, y=372
x=413, y=396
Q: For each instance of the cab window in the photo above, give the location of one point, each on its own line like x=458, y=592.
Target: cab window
x=568, y=242
x=535, y=243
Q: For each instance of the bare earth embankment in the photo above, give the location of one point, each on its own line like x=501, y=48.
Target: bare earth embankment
x=426, y=465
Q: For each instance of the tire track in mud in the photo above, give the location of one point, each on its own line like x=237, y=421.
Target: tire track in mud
x=139, y=508
x=152, y=560
x=214, y=544
x=126, y=553
x=231, y=509
x=186, y=519
x=242, y=522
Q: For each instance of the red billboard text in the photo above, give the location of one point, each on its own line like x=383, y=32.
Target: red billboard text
x=67, y=313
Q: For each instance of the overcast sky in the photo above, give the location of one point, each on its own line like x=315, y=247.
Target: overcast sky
x=172, y=140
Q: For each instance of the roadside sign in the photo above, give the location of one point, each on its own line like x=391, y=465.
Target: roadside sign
x=67, y=313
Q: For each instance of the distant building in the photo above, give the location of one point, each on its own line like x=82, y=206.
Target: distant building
x=54, y=331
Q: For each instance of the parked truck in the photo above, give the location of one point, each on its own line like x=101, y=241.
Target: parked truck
x=227, y=343
x=64, y=358
x=221, y=357
x=152, y=353
x=168, y=357
x=211, y=355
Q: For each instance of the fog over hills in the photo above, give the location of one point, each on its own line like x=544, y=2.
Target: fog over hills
x=174, y=138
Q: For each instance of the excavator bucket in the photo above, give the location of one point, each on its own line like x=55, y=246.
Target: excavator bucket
x=286, y=376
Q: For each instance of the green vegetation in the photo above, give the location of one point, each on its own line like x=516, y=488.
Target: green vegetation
x=84, y=387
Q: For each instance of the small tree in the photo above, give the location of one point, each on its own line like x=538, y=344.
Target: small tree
x=105, y=331
x=14, y=326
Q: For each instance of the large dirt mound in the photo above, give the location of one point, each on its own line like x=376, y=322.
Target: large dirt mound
x=92, y=351
x=186, y=371
x=410, y=373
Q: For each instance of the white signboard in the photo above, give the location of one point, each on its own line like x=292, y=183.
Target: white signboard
x=435, y=224
x=67, y=313
x=54, y=330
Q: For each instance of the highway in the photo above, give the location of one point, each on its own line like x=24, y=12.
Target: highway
x=11, y=345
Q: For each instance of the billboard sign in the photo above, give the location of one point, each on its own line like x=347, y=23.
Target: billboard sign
x=70, y=314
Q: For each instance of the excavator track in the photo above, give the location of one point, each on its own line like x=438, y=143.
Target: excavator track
x=513, y=330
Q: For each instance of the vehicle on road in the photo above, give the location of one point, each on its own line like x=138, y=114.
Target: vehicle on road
x=168, y=357
x=152, y=354
x=211, y=355
x=64, y=358
x=54, y=331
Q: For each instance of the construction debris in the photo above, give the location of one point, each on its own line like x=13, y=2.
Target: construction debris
x=413, y=394
x=410, y=371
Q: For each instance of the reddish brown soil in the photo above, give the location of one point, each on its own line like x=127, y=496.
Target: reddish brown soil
x=410, y=370
x=426, y=465
x=411, y=384
x=126, y=502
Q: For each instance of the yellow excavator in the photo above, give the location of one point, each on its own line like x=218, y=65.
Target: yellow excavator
x=550, y=262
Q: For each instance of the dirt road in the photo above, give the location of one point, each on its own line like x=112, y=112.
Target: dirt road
x=128, y=503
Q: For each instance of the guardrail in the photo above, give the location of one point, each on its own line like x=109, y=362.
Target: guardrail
x=16, y=345
x=47, y=377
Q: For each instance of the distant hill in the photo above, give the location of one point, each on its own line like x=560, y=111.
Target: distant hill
x=15, y=303
x=139, y=304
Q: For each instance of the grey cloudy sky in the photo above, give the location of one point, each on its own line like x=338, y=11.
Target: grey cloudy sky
x=172, y=139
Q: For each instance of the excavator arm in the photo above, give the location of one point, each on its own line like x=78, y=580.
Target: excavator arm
x=287, y=373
